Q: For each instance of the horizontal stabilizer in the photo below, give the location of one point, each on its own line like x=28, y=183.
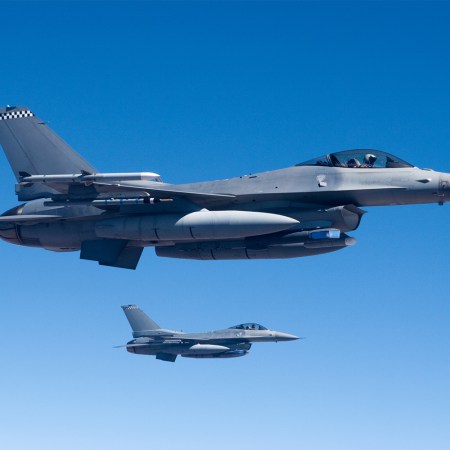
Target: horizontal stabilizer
x=111, y=252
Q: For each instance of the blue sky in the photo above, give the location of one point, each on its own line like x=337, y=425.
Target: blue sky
x=198, y=91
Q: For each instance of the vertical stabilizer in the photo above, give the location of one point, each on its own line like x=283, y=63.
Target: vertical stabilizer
x=139, y=321
x=32, y=147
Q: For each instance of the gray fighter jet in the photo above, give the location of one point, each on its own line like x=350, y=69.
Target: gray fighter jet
x=151, y=339
x=302, y=210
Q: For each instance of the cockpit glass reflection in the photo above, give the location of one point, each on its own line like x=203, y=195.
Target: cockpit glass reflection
x=358, y=159
x=249, y=326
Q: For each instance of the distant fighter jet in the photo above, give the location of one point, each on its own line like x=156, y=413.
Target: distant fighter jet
x=151, y=339
x=298, y=211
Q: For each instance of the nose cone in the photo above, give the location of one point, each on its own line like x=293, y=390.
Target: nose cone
x=444, y=187
x=284, y=336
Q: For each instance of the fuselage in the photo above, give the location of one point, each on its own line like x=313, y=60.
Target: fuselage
x=227, y=343
x=264, y=215
x=306, y=186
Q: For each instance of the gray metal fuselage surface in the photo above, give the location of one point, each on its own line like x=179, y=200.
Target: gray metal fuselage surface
x=166, y=345
x=303, y=210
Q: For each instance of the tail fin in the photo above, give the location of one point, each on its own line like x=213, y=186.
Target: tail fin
x=139, y=321
x=33, y=148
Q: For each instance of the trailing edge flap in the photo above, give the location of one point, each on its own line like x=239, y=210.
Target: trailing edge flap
x=25, y=218
x=111, y=252
x=166, y=357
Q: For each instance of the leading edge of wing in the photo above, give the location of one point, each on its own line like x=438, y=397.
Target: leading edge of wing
x=160, y=193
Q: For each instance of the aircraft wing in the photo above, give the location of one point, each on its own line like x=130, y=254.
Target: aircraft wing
x=161, y=192
x=62, y=187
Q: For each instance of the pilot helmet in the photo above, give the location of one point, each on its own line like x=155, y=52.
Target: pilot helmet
x=353, y=162
x=370, y=158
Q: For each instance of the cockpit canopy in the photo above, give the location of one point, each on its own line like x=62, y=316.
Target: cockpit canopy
x=355, y=159
x=248, y=326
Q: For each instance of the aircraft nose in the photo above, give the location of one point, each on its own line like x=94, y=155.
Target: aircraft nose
x=444, y=187
x=285, y=337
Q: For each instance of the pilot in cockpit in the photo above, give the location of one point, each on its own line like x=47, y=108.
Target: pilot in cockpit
x=369, y=160
x=353, y=162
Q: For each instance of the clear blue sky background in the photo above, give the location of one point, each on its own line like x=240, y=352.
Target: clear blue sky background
x=198, y=91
